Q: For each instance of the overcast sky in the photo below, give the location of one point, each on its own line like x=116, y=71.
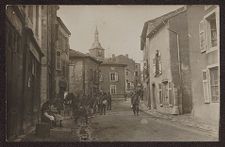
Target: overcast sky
x=119, y=26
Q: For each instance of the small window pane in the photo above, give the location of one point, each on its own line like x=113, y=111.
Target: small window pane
x=214, y=84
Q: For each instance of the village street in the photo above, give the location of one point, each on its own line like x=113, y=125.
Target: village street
x=60, y=72
x=120, y=124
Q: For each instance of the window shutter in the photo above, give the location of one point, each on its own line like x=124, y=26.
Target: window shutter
x=154, y=66
x=202, y=35
x=116, y=76
x=160, y=67
x=205, y=87
x=171, y=96
x=205, y=91
x=160, y=93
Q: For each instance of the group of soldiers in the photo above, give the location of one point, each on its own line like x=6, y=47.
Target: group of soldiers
x=84, y=106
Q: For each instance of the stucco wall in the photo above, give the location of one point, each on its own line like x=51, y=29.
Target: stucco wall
x=199, y=61
x=155, y=43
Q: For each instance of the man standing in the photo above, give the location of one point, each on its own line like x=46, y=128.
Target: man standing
x=109, y=98
x=135, y=101
x=104, y=103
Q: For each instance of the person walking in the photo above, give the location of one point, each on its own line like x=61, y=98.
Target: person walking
x=135, y=101
x=109, y=101
x=99, y=103
x=83, y=109
x=104, y=103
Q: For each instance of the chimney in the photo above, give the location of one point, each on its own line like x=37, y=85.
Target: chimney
x=113, y=55
x=127, y=55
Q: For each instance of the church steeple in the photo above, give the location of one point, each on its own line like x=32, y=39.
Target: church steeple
x=96, y=34
x=96, y=43
x=96, y=48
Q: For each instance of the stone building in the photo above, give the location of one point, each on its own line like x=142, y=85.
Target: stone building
x=62, y=59
x=204, y=43
x=167, y=84
x=49, y=23
x=112, y=78
x=112, y=73
x=132, y=71
x=30, y=59
x=83, y=73
x=23, y=67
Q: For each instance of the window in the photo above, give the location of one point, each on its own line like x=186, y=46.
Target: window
x=160, y=94
x=146, y=72
x=208, y=31
x=157, y=66
x=114, y=76
x=205, y=86
x=165, y=93
x=214, y=84
x=58, y=60
x=212, y=37
x=136, y=73
x=112, y=89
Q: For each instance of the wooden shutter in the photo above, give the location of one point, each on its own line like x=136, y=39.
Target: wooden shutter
x=205, y=87
x=160, y=67
x=202, y=35
x=160, y=93
x=154, y=66
x=171, y=95
x=116, y=76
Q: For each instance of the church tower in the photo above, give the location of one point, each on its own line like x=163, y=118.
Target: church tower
x=96, y=48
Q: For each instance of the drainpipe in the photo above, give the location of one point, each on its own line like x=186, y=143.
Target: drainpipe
x=177, y=108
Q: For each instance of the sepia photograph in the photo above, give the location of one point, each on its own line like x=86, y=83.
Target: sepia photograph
x=112, y=73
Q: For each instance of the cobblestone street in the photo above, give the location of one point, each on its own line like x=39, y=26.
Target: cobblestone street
x=121, y=125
